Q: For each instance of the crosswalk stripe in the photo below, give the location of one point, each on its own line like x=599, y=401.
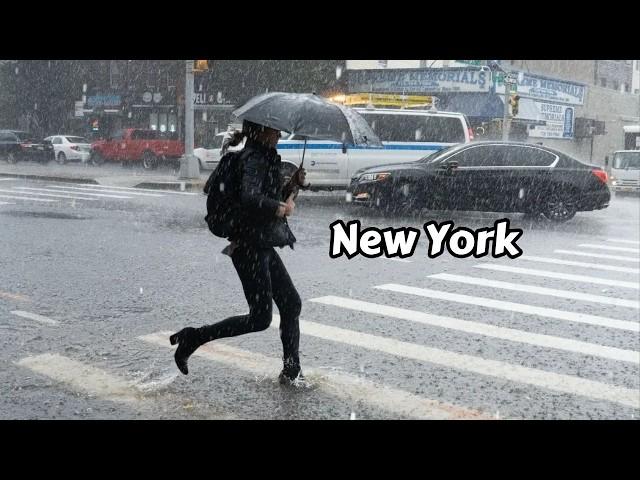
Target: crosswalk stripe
x=560, y=276
x=336, y=384
x=596, y=266
x=168, y=192
x=6, y=203
x=81, y=377
x=479, y=328
x=35, y=317
x=99, y=383
x=598, y=255
x=493, y=368
x=50, y=195
x=14, y=296
x=72, y=193
x=28, y=198
x=398, y=260
x=631, y=242
x=608, y=247
x=515, y=307
x=483, y=282
x=83, y=189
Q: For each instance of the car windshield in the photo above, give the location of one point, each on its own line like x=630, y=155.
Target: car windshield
x=76, y=140
x=24, y=136
x=439, y=155
x=627, y=160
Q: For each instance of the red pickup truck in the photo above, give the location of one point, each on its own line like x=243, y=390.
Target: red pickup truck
x=137, y=145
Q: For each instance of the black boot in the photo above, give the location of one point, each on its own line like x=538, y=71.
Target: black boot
x=291, y=375
x=188, y=341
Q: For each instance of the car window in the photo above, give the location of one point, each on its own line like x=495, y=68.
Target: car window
x=521, y=156
x=144, y=135
x=216, y=142
x=7, y=137
x=76, y=140
x=118, y=135
x=627, y=160
x=56, y=140
x=480, y=156
x=416, y=128
x=24, y=136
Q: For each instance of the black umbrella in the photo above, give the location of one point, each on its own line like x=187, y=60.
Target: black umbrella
x=309, y=116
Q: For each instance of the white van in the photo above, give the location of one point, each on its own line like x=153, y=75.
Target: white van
x=625, y=171
x=407, y=135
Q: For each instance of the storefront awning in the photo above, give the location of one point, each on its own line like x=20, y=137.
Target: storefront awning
x=481, y=105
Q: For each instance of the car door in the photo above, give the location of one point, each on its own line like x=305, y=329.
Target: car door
x=530, y=168
x=325, y=161
x=58, y=146
x=470, y=183
x=7, y=140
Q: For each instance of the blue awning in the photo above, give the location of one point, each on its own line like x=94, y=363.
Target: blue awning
x=482, y=105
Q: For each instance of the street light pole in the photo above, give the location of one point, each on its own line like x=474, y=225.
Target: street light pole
x=189, y=167
x=505, y=116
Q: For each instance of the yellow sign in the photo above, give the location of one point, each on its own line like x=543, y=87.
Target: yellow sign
x=384, y=100
x=201, y=66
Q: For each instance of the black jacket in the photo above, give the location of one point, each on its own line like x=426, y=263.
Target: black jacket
x=261, y=194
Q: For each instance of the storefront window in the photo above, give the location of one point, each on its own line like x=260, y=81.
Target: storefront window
x=173, y=122
x=153, y=121
x=162, y=121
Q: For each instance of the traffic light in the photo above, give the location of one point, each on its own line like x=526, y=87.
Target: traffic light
x=201, y=66
x=514, y=102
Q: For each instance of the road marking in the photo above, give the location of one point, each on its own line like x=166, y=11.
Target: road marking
x=552, y=292
x=99, y=383
x=560, y=276
x=596, y=266
x=478, y=328
x=631, y=242
x=82, y=377
x=340, y=385
x=49, y=195
x=493, y=368
x=515, y=307
x=36, y=317
x=28, y=198
x=598, y=255
x=60, y=191
x=398, y=260
x=6, y=203
x=172, y=192
x=14, y=296
x=607, y=247
x=106, y=191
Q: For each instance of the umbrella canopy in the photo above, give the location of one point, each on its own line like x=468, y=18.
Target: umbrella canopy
x=309, y=116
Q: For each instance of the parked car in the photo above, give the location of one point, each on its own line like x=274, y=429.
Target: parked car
x=210, y=155
x=16, y=145
x=625, y=171
x=131, y=145
x=70, y=148
x=487, y=176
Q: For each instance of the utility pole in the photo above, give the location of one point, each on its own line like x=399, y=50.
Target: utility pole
x=505, y=116
x=189, y=167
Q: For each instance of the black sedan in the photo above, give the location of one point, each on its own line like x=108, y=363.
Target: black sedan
x=486, y=176
x=16, y=145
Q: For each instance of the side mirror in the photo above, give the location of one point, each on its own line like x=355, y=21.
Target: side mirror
x=344, y=148
x=606, y=161
x=452, y=164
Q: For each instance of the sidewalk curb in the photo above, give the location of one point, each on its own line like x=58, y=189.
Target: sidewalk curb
x=184, y=186
x=50, y=178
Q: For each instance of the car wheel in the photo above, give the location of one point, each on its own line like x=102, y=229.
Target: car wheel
x=12, y=158
x=96, y=159
x=62, y=158
x=149, y=161
x=560, y=207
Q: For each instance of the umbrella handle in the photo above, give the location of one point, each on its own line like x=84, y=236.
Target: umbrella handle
x=303, y=151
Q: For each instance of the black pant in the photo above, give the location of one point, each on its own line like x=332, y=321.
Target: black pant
x=264, y=280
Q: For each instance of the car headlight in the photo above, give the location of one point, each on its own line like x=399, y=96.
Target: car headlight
x=374, y=177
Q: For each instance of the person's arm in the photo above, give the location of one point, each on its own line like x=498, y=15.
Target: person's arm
x=251, y=197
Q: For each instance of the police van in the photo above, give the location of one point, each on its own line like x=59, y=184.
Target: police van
x=407, y=134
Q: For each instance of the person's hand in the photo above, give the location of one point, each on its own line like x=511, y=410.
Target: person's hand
x=300, y=177
x=287, y=208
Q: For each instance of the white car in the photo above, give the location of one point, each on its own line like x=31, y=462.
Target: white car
x=70, y=148
x=209, y=156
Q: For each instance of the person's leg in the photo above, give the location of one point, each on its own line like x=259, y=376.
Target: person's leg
x=289, y=304
x=252, y=266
